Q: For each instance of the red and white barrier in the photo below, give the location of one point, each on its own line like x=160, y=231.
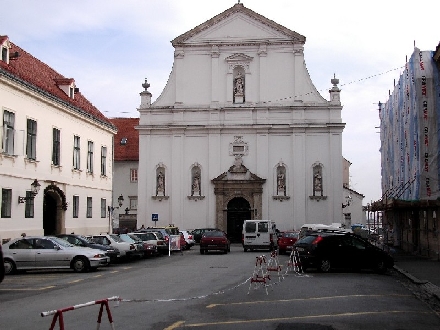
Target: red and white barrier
x=260, y=275
x=58, y=314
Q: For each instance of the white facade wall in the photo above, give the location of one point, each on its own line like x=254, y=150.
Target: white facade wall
x=284, y=120
x=17, y=172
x=122, y=185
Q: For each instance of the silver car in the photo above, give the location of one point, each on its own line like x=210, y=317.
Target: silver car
x=47, y=252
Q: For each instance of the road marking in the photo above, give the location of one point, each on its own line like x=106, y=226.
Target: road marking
x=175, y=325
x=279, y=319
x=75, y=281
x=309, y=299
x=30, y=289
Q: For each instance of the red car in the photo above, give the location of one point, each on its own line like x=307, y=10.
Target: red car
x=286, y=241
x=215, y=240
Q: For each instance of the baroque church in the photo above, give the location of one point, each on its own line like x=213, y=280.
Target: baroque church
x=240, y=132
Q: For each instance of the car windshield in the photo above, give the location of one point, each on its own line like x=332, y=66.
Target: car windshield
x=116, y=238
x=87, y=239
x=61, y=242
x=213, y=234
x=126, y=238
x=134, y=237
x=291, y=235
x=306, y=240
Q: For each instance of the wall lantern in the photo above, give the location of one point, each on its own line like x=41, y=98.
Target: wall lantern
x=35, y=188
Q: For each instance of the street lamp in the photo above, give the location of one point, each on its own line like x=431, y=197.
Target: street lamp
x=120, y=200
x=35, y=188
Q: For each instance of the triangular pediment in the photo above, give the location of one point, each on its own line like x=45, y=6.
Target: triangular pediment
x=237, y=24
x=239, y=173
x=239, y=57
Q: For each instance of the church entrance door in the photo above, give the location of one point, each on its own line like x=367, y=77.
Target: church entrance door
x=238, y=210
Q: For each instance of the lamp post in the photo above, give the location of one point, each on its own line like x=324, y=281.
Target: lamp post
x=35, y=188
x=110, y=212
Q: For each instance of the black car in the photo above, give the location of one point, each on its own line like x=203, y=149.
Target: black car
x=80, y=240
x=197, y=233
x=2, y=265
x=327, y=251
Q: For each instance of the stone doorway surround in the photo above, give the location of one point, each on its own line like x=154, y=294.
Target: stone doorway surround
x=238, y=181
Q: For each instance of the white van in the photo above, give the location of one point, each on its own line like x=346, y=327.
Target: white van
x=259, y=234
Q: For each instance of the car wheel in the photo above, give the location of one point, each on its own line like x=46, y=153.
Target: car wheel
x=229, y=248
x=9, y=266
x=325, y=265
x=202, y=251
x=280, y=252
x=381, y=267
x=80, y=264
x=245, y=249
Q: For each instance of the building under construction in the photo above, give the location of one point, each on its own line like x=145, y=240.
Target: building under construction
x=410, y=157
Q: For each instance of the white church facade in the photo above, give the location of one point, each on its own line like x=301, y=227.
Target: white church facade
x=240, y=132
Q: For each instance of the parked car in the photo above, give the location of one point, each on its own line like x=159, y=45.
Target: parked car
x=189, y=239
x=139, y=245
x=155, y=238
x=127, y=250
x=197, y=233
x=165, y=234
x=214, y=240
x=2, y=265
x=326, y=251
x=149, y=249
x=286, y=240
x=183, y=245
x=49, y=252
x=84, y=241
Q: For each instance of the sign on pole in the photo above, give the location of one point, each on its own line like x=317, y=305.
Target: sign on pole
x=155, y=218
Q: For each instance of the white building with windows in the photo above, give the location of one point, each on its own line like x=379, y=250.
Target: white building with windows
x=51, y=135
x=240, y=132
x=125, y=174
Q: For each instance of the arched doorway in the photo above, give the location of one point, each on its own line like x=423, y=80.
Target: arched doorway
x=54, y=205
x=238, y=210
x=50, y=215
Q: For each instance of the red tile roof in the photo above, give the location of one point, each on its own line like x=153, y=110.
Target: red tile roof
x=130, y=150
x=31, y=71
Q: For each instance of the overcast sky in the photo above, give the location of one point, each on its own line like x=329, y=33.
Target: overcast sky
x=109, y=47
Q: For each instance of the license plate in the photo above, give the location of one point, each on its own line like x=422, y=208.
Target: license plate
x=300, y=249
x=289, y=247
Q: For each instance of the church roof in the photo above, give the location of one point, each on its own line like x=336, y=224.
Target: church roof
x=238, y=8
x=126, y=140
x=34, y=74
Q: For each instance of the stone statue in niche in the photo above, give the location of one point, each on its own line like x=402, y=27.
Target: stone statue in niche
x=281, y=181
x=239, y=85
x=195, y=187
x=317, y=181
x=160, y=186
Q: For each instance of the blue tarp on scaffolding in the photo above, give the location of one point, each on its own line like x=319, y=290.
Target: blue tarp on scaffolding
x=410, y=139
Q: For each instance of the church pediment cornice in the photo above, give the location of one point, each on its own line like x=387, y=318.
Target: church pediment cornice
x=238, y=8
x=238, y=57
x=238, y=173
